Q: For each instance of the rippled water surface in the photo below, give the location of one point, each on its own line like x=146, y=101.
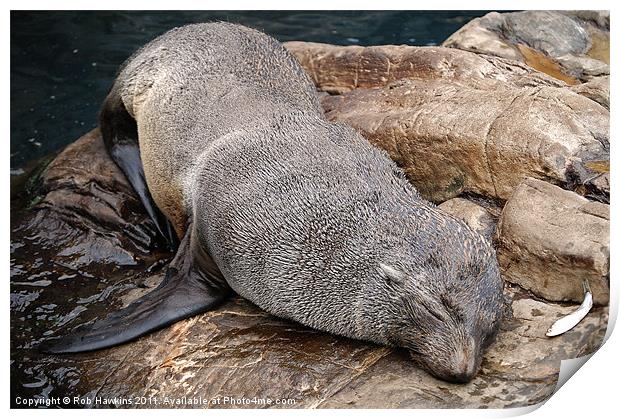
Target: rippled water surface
x=63, y=63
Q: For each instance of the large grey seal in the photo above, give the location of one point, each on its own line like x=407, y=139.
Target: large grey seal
x=301, y=216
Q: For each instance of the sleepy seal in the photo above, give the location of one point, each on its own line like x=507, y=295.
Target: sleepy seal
x=221, y=133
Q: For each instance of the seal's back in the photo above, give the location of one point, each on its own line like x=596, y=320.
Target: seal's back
x=198, y=83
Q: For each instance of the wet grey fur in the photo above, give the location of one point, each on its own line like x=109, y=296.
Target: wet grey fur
x=304, y=217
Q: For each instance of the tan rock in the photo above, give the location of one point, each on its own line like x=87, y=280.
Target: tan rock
x=573, y=47
x=452, y=138
x=237, y=350
x=596, y=89
x=551, y=240
x=521, y=351
x=458, y=121
x=338, y=69
x=475, y=216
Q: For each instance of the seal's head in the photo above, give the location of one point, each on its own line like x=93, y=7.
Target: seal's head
x=438, y=293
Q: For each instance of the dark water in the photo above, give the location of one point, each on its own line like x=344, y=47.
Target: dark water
x=63, y=63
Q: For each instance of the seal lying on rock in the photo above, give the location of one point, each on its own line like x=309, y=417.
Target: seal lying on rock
x=301, y=216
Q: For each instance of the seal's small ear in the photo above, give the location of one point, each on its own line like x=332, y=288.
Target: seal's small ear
x=391, y=274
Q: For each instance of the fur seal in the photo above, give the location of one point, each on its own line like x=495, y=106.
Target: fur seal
x=218, y=127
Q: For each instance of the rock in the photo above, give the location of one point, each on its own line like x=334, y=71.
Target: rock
x=550, y=240
x=237, y=350
x=599, y=18
x=474, y=215
x=451, y=138
x=518, y=369
x=596, y=89
x=338, y=69
x=86, y=210
x=597, y=188
x=573, y=47
x=506, y=120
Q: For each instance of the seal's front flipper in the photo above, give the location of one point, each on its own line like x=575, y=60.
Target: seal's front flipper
x=193, y=284
x=120, y=136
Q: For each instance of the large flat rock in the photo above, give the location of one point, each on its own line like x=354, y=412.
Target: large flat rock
x=239, y=351
x=551, y=240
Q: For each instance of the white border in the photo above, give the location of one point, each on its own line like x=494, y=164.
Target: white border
x=593, y=389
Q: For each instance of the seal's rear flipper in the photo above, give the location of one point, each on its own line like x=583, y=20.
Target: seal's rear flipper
x=120, y=136
x=193, y=284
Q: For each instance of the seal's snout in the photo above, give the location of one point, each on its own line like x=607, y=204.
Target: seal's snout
x=461, y=372
x=464, y=363
x=464, y=373
x=457, y=366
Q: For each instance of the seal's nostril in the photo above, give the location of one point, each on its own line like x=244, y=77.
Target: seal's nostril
x=461, y=378
x=458, y=377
